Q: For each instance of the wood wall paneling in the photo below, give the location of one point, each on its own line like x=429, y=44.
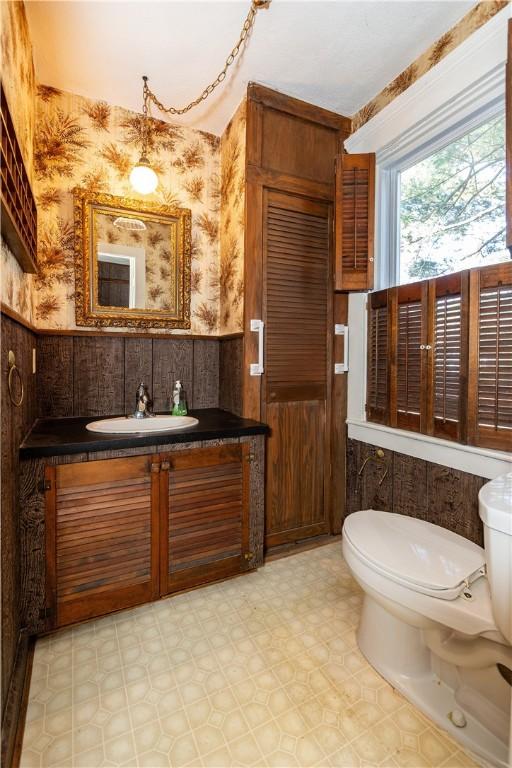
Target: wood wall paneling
x=409, y=477
x=138, y=367
x=98, y=376
x=230, y=374
x=298, y=146
x=16, y=422
x=172, y=360
x=205, y=391
x=55, y=372
x=452, y=501
x=414, y=487
x=377, y=479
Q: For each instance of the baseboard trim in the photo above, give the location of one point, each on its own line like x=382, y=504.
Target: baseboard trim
x=13, y=721
x=294, y=547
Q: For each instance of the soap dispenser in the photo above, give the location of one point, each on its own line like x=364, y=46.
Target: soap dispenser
x=179, y=403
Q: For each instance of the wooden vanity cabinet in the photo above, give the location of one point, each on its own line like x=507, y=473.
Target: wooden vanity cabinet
x=101, y=537
x=125, y=531
x=204, y=533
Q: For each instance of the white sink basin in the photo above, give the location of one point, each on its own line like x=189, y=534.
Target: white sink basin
x=123, y=425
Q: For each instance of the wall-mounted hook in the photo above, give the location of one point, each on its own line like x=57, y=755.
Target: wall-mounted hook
x=14, y=372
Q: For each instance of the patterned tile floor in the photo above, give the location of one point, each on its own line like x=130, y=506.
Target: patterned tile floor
x=262, y=670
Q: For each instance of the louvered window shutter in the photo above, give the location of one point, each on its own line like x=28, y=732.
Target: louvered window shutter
x=490, y=364
x=409, y=367
x=354, y=222
x=448, y=333
x=377, y=397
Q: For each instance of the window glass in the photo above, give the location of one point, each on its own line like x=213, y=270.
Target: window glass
x=452, y=206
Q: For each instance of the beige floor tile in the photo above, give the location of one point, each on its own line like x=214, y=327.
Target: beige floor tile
x=263, y=670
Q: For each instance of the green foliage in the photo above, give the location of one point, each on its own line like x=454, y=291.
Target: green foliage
x=452, y=212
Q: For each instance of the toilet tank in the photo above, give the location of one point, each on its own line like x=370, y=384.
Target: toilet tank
x=495, y=509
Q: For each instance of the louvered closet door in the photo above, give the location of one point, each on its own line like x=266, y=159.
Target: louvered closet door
x=205, y=516
x=101, y=524
x=412, y=356
x=449, y=332
x=296, y=388
x=490, y=369
x=377, y=396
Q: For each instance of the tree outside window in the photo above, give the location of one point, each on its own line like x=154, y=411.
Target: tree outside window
x=452, y=208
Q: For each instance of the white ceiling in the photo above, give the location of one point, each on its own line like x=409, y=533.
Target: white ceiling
x=335, y=54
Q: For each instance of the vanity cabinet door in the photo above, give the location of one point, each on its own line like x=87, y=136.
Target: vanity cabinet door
x=101, y=537
x=204, y=516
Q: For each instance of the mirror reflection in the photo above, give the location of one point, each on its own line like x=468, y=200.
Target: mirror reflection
x=135, y=257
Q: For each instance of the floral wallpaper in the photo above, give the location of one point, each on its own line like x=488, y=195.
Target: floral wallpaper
x=232, y=216
x=19, y=86
x=473, y=20
x=94, y=145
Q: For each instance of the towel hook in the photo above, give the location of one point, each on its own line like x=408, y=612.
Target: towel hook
x=14, y=371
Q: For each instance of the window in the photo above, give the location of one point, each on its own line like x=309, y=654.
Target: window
x=452, y=206
x=440, y=357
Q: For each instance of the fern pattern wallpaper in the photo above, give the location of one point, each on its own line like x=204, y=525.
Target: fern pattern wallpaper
x=19, y=84
x=473, y=20
x=232, y=223
x=93, y=145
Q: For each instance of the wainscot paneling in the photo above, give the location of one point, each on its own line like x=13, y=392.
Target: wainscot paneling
x=231, y=353
x=16, y=422
x=98, y=375
x=414, y=487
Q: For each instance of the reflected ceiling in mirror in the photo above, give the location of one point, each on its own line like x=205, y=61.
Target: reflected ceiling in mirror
x=132, y=262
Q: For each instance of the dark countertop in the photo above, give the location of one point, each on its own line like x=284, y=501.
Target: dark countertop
x=59, y=437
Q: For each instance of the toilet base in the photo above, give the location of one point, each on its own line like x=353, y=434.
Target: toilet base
x=398, y=653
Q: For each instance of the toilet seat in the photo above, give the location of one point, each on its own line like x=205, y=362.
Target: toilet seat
x=414, y=553
x=471, y=616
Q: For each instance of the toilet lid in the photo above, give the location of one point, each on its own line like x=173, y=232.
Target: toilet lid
x=420, y=555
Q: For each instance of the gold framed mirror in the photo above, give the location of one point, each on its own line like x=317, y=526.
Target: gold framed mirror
x=132, y=262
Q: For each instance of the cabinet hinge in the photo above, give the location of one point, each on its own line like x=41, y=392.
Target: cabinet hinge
x=249, y=555
x=45, y=485
x=250, y=458
x=46, y=613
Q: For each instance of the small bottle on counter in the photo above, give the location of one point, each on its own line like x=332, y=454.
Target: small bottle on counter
x=179, y=403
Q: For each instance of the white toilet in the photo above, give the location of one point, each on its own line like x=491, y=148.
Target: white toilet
x=436, y=620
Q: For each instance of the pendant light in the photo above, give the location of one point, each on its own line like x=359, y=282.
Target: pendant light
x=143, y=178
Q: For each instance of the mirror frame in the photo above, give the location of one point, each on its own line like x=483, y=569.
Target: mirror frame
x=86, y=314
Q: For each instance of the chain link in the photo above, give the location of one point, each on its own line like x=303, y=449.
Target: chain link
x=244, y=34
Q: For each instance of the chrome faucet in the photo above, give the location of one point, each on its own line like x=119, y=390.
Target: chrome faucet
x=142, y=403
